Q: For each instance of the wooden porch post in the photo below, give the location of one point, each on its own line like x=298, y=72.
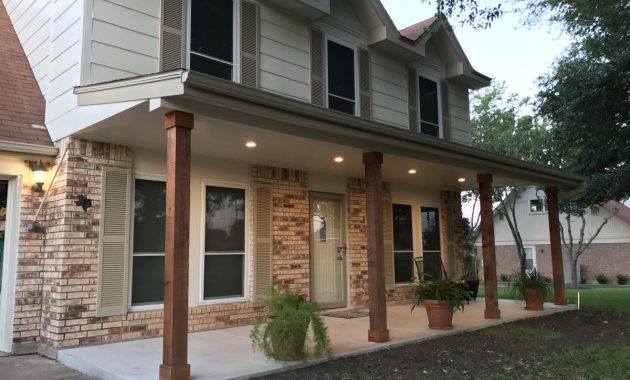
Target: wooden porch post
x=559, y=297
x=375, y=246
x=487, y=242
x=175, y=365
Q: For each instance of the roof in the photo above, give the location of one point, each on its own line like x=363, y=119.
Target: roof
x=413, y=32
x=22, y=105
x=623, y=212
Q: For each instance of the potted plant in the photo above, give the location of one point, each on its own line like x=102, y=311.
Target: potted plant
x=440, y=299
x=533, y=286
x=283, y=334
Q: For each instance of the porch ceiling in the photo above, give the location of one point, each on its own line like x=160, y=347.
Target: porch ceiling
x=298, y=135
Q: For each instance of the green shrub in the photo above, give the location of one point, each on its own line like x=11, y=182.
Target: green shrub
x=504, y=277
x=601, y=279
x=622, y=279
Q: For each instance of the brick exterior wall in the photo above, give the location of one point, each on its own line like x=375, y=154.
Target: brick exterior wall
x=609, y=259
x=357, y=243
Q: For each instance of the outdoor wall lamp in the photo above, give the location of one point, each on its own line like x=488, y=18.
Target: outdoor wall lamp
x=40, y=171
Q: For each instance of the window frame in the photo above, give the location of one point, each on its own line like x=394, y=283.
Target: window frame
x=130, y=306
x=414, y=244
x=202, y=246
x=544, y=204
x=534, y=261
x=439, y=103
x=235, y=40
x=328, y=37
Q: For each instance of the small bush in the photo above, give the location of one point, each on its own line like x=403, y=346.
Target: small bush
x=622, y=279
x=504, y=277
x=582, y=280
x=601, y=279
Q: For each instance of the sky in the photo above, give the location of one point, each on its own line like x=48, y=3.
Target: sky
x=506, y=51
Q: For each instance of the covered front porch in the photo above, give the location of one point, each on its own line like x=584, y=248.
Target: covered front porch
x=227, y=353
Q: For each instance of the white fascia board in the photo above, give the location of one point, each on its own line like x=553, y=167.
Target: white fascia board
x=40, y=150
x=133, y=89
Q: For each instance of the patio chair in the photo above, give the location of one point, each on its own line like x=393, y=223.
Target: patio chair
x=430, y=267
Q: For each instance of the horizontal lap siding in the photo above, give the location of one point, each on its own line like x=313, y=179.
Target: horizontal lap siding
x=389, y=91
x=125, y=39
x=459, y=114
x=284, y=55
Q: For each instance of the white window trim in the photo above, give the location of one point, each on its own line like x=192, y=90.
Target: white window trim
x=529, y=206
x=413, y=239
x=439, y=99
x=235, y=39
x=130, y=306
x=336, y=40
x=202, y=253
x=534, y=261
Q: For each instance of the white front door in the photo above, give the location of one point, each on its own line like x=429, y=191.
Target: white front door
x=328, y=251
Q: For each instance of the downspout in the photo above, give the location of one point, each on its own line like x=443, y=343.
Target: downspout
x=34, y=226
x=563, y=196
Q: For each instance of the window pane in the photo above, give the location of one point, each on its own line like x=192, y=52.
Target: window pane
x=223, y=276
x=148, y=280
x=430, y=229
x=341, y=105
x=225, y=219
x=428, y=101
x=210, y=67
x=212, y=28
x=538, y=205
x=403, y=235
x=403, y=267
x=149, y=216
x=432, y=265
x=340, y=70
x=429, y=129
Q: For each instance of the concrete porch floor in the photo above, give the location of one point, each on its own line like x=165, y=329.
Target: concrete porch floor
x=227, y=353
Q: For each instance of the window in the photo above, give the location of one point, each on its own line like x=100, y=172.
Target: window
x=530, y=257
x=403, y=243
x=431, y=246
x=341, y=81
x=429, y=107
x=212, y=37
x=149, y=215
x=538, y=205
x=594, y=210
x=224, y=243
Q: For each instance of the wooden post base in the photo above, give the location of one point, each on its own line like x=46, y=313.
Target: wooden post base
x=560, y=301
x=492, y=314
x=377, y=336
x=180, y=372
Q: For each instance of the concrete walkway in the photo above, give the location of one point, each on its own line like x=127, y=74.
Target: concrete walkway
x=34, y=367
x=227, y=353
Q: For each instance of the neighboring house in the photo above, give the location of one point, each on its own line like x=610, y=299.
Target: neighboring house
x=609, y=253
x=292, y=102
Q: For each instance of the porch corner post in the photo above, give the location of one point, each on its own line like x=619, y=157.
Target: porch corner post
x=487, y=242
x=559, y=297
x=378, y=331
x=175, y=365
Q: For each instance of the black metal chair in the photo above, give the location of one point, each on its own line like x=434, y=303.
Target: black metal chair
x=430, y=267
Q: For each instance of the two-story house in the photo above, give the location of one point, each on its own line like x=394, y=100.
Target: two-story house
x=309, y=144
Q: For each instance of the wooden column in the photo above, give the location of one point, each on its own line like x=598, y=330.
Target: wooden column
x=487, y=242
x=375, y=246
x=559, y=297
x=175, y=348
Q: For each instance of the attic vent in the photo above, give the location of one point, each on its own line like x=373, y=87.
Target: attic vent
x=249, y=44
x=317, y=68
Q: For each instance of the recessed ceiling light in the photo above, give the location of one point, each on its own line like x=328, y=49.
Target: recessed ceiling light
x=338, y=159
x=462, y=179
x=412, y=171
x=250, y=144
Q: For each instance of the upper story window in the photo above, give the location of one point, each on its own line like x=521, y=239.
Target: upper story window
x=212, y=37
x=538, y=205
x=429, y=110
x=341, y=82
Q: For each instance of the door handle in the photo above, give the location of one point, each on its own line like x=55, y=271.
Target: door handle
x=342, y=249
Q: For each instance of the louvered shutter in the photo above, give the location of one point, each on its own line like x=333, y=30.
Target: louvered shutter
x=263, y=241
x=364, y=84
x=446, y=121
x=249, y=44
x=412, y=86
x=388, y=239
x=317, y=68
x=172, y=36
x=113, y=255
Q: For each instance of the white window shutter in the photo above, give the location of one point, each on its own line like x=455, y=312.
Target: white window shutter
x=172, y=36
x=388, y=240
x=113, y=255
x=365, y=90
x=412, y=85
x=317, y=68
x=263, y=259
x=249, y=44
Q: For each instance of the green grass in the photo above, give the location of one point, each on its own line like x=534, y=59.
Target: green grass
x=586, y=362
x=516, y=332
x=608, y=298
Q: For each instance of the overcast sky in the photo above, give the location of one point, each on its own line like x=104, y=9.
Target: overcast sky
x=506, y=51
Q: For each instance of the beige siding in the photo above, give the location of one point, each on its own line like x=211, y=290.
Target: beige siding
x=284, y=54
x=389, y=91
x=124, y=40
x=459, y=113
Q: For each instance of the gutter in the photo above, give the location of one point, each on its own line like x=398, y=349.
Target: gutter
x=41, y=150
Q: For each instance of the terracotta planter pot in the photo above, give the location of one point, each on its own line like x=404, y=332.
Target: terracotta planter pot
x=534, y=299
x=440, y=315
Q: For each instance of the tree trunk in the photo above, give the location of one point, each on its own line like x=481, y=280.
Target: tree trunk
x=574, y=264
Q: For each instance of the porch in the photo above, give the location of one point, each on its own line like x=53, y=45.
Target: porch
x=227, y=353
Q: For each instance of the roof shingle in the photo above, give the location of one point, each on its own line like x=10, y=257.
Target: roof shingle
x=413, y=32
